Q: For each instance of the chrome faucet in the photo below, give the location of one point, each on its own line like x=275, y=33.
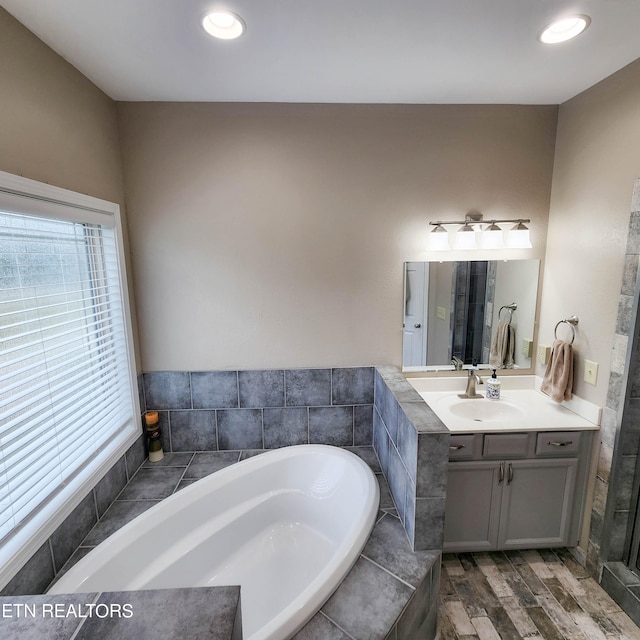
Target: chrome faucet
x=472, y=379
x=457, y=363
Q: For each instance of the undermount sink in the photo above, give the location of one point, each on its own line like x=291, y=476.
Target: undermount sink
x=482, y=410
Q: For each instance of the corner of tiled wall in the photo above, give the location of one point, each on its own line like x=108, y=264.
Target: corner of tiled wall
x=412, y=445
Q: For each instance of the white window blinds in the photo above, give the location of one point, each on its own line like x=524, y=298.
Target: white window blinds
x=65, y=374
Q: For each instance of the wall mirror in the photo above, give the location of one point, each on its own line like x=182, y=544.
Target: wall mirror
x=454, y=310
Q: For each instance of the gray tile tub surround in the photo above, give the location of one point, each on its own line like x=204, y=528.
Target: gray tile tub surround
x=413, y=447
x=406, y=582
x=209, y=613
x=229, y=410
x=391, y=592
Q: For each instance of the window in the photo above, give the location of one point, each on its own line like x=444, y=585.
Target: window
x=67, y=400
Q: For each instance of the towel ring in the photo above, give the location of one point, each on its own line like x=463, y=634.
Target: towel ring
x=510, y=309
x=572, y=322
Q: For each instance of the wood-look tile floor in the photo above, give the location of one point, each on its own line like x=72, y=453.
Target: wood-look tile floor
x=534, y=595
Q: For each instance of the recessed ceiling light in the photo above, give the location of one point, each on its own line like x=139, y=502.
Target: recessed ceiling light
x=564, y=29
x=223, y=24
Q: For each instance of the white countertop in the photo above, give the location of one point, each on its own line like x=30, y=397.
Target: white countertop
x=521, y=407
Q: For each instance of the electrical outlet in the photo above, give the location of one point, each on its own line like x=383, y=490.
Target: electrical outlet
x=590, y=371
x=543, y=354
x=527, y=347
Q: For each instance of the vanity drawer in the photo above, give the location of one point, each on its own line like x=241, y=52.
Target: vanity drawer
x=558, y=443
x=463, y=447
x=506, y=445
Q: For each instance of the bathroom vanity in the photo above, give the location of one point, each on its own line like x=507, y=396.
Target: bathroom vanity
x=518, y=466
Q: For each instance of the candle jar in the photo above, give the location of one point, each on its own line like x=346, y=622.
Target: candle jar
x=154, y=436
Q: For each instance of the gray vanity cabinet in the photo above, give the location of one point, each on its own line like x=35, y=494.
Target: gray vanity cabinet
x=530, y=495
x=537, y=497
x=472, y=509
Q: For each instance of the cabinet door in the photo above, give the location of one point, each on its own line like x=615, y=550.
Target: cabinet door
x=472, y=509
x=537, y=502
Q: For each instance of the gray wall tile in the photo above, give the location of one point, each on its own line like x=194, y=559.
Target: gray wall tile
x=72, y=531
x=107, y=489
x=135, y=455
x=214, y=389
x=363, y=425
x=433, y=449
x=285, y=426
x=35, y=576
x=261, y=388
x=407, y=442
x=331, y=425
x=391, y=409
x=352, y=385
x=429, y=523
x=193, y=430
x=167, y=390
x=398, y=481
x=240, y=429
x=308, y=387
x=381, y=441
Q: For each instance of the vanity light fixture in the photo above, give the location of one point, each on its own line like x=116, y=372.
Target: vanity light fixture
x=474, y=232
x=564, y=29
x=223, y=24
x=439, y=239
x=492, y=237
x=465, y=238
x=518, y=237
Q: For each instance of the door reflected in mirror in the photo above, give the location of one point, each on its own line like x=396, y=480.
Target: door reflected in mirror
x=470, y=312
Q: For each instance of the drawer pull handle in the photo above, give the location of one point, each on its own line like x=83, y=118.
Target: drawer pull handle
x=501, y=473
x=456, y=447
x=560, y=444
x=510, y=474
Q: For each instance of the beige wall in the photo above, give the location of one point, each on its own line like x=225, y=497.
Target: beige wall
x=597, y=160
x=55, y=125
x=274, y=235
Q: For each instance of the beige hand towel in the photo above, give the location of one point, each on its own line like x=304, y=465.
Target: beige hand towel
x=502, y=354
x=558, y=378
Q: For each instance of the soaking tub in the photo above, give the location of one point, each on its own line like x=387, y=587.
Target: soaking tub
x=286, y=525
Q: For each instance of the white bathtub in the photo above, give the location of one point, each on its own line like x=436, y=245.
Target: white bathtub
x=286, y=525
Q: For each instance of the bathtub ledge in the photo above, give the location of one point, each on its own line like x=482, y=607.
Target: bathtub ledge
x=210, y=613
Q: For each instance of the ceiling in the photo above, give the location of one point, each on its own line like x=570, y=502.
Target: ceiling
x=343, y=51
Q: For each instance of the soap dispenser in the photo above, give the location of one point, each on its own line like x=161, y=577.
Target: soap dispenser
x=493, y=387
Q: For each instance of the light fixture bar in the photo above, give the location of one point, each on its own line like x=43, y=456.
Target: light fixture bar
x=492, y=221
x=474, y=231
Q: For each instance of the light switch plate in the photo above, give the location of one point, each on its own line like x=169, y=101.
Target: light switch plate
x=441, y=312
x=590, y=371
x=543, y=354
x=527, y=347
